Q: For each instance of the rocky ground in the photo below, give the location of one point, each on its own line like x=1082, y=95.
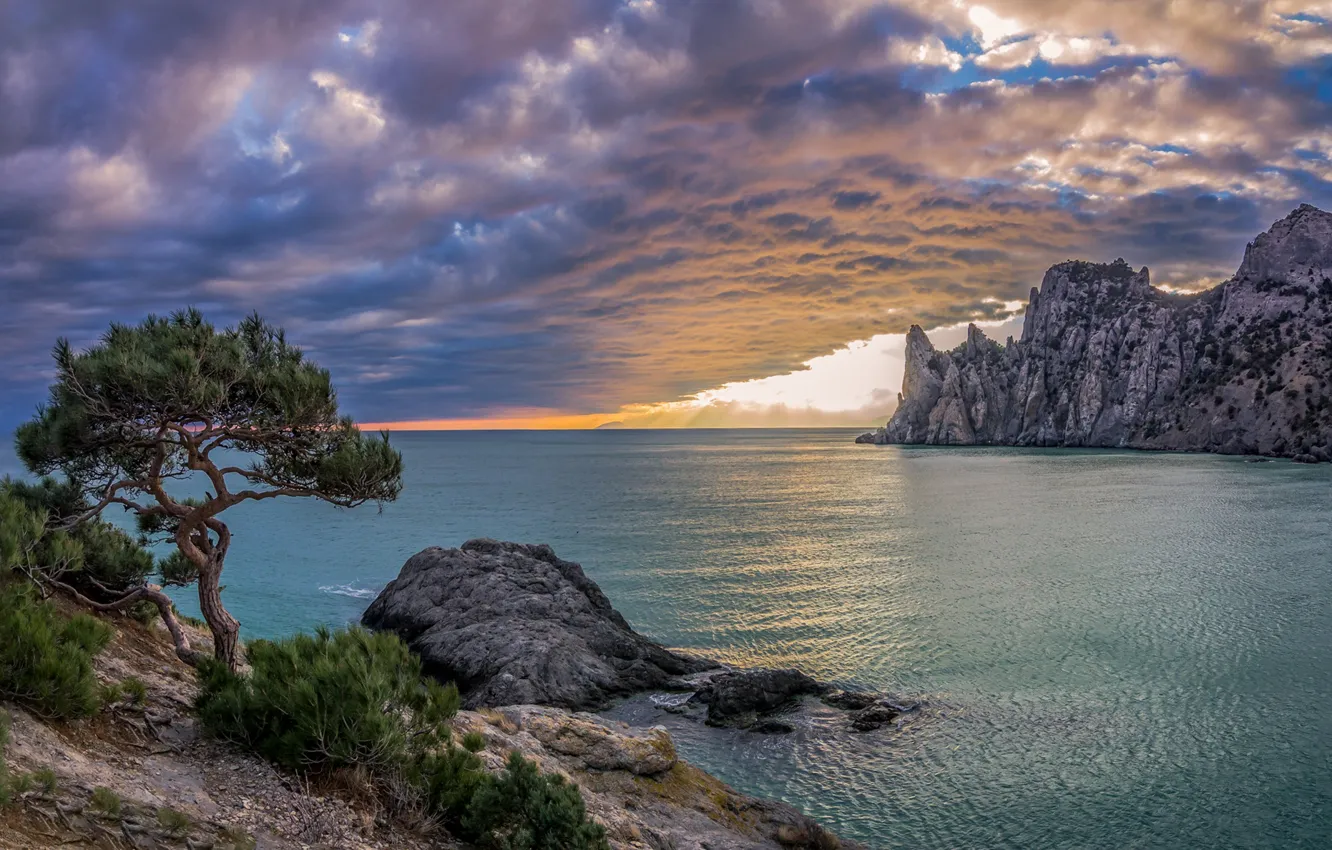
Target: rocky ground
x=151, y=757
x=1106, y=359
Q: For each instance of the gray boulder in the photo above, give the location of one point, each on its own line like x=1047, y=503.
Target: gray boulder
x=738, y=698
x=513, y=624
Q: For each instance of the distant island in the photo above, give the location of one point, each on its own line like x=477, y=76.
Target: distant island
x=1107, y=360
x=611, y=426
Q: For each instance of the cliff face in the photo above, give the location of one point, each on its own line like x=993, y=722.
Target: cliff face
x=1107, y=360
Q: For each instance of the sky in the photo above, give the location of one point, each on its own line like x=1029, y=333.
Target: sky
x=537, y=213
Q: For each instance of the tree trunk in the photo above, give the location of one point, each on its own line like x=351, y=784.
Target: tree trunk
x=226, y=630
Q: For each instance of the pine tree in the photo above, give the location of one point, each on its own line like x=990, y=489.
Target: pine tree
x=173, y=397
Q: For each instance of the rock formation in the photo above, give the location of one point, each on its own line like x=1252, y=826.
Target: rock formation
x=635, y=786
x=1108, y=360
x=631, y=780
x=513, y=624
x=737, y=698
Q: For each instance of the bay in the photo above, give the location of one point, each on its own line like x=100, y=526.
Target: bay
x=1117, y=649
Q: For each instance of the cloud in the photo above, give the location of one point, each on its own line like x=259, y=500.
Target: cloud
x=577, y=205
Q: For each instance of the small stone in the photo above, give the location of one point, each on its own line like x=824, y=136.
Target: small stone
x=874, y=717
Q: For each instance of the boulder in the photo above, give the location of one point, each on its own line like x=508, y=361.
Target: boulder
x=738, y=697
x=849, y=700
x=513, y=624
x=873, y=717
x=1305, y=458
x=591, y=743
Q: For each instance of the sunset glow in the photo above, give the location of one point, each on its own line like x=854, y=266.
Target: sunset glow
x=569, y=213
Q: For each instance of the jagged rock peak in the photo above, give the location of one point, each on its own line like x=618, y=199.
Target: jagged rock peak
x=1107, y=360
x=1300, y=241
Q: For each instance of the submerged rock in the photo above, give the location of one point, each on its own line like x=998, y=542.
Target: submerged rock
x=849, y=700
x=739, y=697
x=513, y=624
x=874, y=717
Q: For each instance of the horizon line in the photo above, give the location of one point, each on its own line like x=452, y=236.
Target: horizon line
x=417, y=427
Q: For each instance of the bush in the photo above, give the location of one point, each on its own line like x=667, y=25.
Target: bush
x=46, y=659
x=106, y=801
x=353, y=699
x=523, y=810
x=46, y=780
x=92, y=553
x=173, y=822
x=332, y=699
x=474, y=742
x=447, y=781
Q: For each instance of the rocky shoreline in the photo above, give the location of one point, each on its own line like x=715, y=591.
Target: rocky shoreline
x=514, y=624
x=1107, y=360
x=528, y=635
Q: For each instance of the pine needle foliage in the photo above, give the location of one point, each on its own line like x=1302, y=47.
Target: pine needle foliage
x=95, y=557
x=328, y=700
x=45, y=658
x=524, y=810
x=355, y=699
x=173, y=397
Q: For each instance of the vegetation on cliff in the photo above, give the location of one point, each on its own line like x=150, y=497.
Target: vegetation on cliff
x=353, y=700
x=172, y=397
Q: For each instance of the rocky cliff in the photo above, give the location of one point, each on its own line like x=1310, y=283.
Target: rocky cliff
x=147, y=754
x=1108, y=360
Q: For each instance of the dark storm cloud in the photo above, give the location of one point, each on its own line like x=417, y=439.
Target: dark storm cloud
x=482, y=205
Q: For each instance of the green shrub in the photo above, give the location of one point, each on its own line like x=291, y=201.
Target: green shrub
x=145, y=613
x=22, y=784
x=353, y=699
x=46, y=780
x=46, y=659
x=331, y=699
x=447, y=781
x=173, y=822
x=135, y=691
x=109, y=694
x=93, y=552
x=523, y=810
x=106, y=801
x=474, y=742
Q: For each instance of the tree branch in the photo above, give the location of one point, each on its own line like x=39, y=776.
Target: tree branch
x=152, y=594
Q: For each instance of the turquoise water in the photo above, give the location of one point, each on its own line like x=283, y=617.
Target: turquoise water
x=1120, y=650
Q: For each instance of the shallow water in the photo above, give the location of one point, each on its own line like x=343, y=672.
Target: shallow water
x=1119, y=649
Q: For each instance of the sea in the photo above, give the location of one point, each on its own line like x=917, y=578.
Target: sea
x=1112, y=649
